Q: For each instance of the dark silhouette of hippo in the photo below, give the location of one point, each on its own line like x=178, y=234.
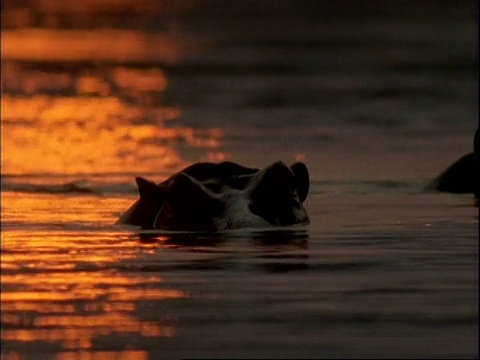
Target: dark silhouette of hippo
x=217, y=197
x=463, y=176
x=459, y=177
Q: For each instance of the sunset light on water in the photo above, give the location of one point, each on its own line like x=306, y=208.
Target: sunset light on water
x=92, y=135
x=376, y=100
x=70, y=293
x=97, y=129
x=61, y=123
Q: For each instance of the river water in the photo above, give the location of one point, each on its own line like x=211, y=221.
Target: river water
x=376, y=99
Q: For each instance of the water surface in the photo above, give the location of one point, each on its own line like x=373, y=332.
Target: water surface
x=375, y=100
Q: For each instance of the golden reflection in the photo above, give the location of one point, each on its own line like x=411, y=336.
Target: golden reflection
x=77, y=135
x=103, y=355
x=107, y=117
x=37, y=209
x=91, y=85
x=87, y=134
x=66, y=288
x=78, y=331
x=113, y=294
x=32, y=82
x=144, y=80
x=63, y=284
x=50, y=12
x=39, y=314
x=37, y=307
x=91, y=45
x=80, y=278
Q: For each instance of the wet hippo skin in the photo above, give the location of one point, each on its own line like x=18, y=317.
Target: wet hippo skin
x=463, y=176
x=216, y=197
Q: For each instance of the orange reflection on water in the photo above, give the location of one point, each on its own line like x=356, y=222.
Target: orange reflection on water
x=88, y=355
x=71, y=135
x=31, y=82
x=103, y=355
x=71, y=288
x=91, y=45
x=75, y=308
x=91, y=85
x=91, y=293
x=88, y=278
x=78, y=135
x=78, y=331
x=21, y=306
x=52, y=258
x=31, y=316
x=140, y=79
x=105, y=117
x=28, y=13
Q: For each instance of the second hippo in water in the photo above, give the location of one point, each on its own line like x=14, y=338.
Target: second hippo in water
x=463, y=176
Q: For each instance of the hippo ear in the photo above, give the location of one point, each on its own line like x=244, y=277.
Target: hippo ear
x=302, y=180
x=147, y=189
x=271, y=181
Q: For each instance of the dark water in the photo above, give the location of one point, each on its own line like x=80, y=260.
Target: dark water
x=375, y=97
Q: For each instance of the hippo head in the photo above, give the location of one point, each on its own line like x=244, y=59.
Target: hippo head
x=216, y=197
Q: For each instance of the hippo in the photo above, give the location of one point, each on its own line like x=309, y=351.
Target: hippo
x=463, y=176
x=212, y=197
